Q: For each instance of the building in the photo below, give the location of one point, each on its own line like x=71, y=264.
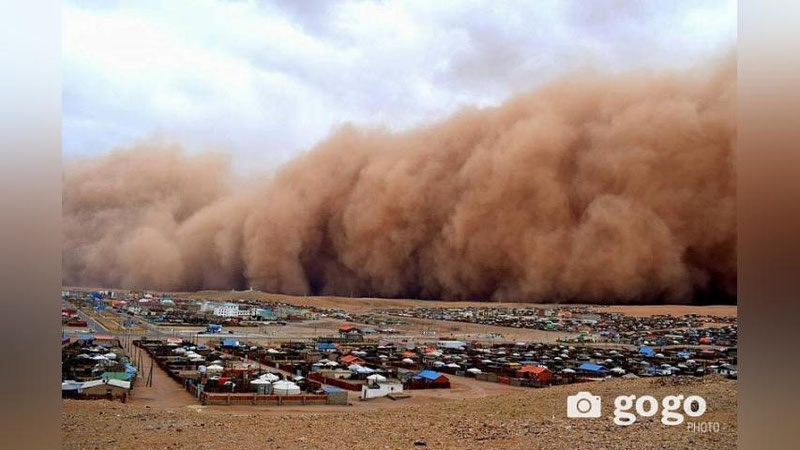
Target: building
x=539, y=374
x=350, y=332
x=349, y=360
x=593, y=369
x=265, y=314
x=381, y=389
x=429, y=379
x=234, y=310
x=451, y=345
x=114, y=388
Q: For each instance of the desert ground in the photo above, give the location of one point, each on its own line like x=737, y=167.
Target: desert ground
x=524, y=418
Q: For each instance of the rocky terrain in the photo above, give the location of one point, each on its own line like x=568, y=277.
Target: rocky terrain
x=532, y=419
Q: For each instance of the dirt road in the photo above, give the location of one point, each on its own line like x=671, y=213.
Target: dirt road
x=164, y=393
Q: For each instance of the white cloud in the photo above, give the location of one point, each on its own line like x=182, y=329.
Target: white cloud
x=269, y=79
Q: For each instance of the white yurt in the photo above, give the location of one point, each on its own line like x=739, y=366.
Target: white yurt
x=214, y=368
x=284, y=387
x=474, y=370
x=376, y=378
x=271, y=377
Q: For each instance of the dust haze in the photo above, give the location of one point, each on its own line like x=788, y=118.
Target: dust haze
x=595, y=188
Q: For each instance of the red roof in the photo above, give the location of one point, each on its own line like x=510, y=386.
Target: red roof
x=349, y=359
x=533, y=369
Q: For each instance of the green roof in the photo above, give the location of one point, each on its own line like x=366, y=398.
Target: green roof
x=124, y=376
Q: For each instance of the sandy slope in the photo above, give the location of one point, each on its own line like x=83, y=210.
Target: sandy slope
x=530, y=418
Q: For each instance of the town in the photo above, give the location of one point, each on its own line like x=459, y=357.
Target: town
x=272, y=353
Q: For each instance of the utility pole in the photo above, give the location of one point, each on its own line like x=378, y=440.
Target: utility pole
x=150, y=375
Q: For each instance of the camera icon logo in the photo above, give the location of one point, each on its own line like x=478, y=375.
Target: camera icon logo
x=583, y=405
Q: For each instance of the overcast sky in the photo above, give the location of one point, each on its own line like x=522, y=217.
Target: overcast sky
x=266, y=80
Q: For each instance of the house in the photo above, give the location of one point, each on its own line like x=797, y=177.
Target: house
x=349, y=360
x=124, y=376
x=429, y=379
x=539, y=374
x=109, y=387
x=593, y=369
x=349, y=332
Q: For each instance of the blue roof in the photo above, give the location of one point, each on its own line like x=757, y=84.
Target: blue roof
x=646, y=351
x=429, y=375
x=230, y=343
x=331, y=389
x=592, y=367
x=85, y=337
x=325, y=346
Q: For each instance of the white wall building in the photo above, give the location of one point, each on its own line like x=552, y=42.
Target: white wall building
x=381, y=389
x=234, y=310
x=227, y=310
